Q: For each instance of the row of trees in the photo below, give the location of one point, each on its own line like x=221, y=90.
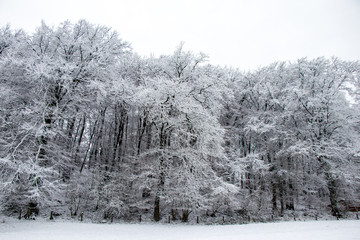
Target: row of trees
x=86, y=125
x=293, y=129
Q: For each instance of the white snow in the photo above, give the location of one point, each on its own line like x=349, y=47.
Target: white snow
x=45, y=230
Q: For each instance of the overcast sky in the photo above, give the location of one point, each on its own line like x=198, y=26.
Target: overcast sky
x=238, y=33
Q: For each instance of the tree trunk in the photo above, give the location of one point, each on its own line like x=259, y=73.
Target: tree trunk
x=141, y=130
x=160, y=190
x=281, y=195
x=157, y=208
x=331, y=184
x=161, y=183
x=185, y=215
x=80, y=136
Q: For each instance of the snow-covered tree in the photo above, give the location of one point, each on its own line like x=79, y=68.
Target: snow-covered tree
x=295, y=121
x=86, y=125
x=176, y=96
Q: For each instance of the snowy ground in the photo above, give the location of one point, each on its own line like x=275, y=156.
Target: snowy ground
x=45, y=230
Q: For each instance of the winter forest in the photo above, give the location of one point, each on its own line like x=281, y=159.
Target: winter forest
x=88, y=127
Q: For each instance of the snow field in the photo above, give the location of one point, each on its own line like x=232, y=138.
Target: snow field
x=45, y=230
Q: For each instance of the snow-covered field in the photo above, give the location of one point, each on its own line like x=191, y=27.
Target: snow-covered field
x=45, y=230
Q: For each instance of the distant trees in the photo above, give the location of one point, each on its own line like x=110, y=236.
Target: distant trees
x=86, y=125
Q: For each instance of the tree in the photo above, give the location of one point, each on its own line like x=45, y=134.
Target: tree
x=186, y=135
x=62, y=69
x=86, y=125
x=294, y=120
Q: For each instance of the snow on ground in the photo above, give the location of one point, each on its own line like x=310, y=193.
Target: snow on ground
x=46, y=230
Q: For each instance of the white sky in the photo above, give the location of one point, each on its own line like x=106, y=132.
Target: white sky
x=238, y=33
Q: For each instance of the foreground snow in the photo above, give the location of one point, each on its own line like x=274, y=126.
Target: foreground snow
x=44, y=230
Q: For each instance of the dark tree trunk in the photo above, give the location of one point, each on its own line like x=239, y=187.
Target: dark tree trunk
x=32, y=211
x=161, y=183
x=174, y=214
x=149, y=136
x=81, y=133
x=281, y=196
x=120, y=124
x=157, y=208
x=185, y=215
x=160, y=190
x=141, y=130
x=331, y=182
x=70, y=129
x=332, y=186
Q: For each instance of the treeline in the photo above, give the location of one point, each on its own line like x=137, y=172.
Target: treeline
x=88, y=126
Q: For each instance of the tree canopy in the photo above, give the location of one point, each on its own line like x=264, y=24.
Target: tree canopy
x=87, y=125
